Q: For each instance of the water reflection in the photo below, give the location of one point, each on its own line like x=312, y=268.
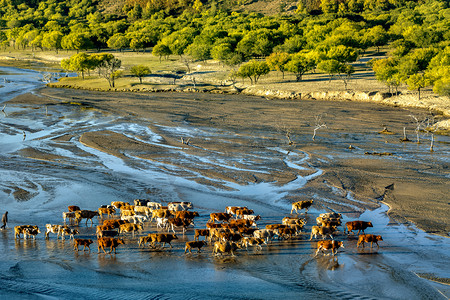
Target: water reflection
x=330, y=263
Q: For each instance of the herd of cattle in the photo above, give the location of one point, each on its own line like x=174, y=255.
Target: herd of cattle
x=236, y=228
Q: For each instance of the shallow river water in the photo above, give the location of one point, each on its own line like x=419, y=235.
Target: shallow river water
x=36, y=188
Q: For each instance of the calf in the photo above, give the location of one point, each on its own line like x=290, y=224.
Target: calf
x=68, y=215
x=194, y=244
x=112, y=243
x=357, y=225
x=299, y=205
x=220, y=217
x=329, y=245
x=68, y=231
x=225, y=247
x=323, y=231
x=30, y=232
x=369, y=238
x=56, y=229
x=20, y=229
x=201, y=232
x=82, y=242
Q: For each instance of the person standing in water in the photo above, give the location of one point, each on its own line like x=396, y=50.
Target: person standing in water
x=4, y=220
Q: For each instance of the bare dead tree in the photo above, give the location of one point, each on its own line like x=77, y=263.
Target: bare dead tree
x=318, y=124
x=405, y=138
x=287, y=133
x=425, y=124
x=419, y=124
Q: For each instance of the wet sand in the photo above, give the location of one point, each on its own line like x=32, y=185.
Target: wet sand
x=93, y=148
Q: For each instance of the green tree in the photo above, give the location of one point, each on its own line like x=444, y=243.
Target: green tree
x=418, y=81
x=52, y=40
x=253, y=70
x=109, y=69
x=376, y=36
x=278, y=61
x=76, y=41
x=118, y=41
x=300, y=64
x=161, y=50
x=342, y=53
x=140, y=71
x=78, y=63
x=330, y=66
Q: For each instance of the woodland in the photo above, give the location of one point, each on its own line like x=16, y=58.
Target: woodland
x=297, y=37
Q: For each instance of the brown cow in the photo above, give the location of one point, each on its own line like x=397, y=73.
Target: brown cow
x=252, y=241
x=115, y=223
x=276, y=226
x=299, y=205
x=160, y=213
x=232, y=209
x=119, y=204
x=194, y=244
x=184, y=214
x=201, y=232
x=225, y=247
x=162, y=238
x=109, y=242
x=85, y=214
x=243, y=222
x=240, y=212
x=329, y=245
x=82, y=242
x=369, y=238
x=323, y=231
x=177, y=222
x=357, y=225
x=213, y=225
x=106, y=210
x=220, y=217
x=73, y=208
x=129, y=227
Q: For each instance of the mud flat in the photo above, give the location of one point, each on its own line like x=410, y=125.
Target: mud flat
x=91, y=148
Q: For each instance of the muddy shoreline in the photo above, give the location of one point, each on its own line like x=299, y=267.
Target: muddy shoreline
x=415, y=198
